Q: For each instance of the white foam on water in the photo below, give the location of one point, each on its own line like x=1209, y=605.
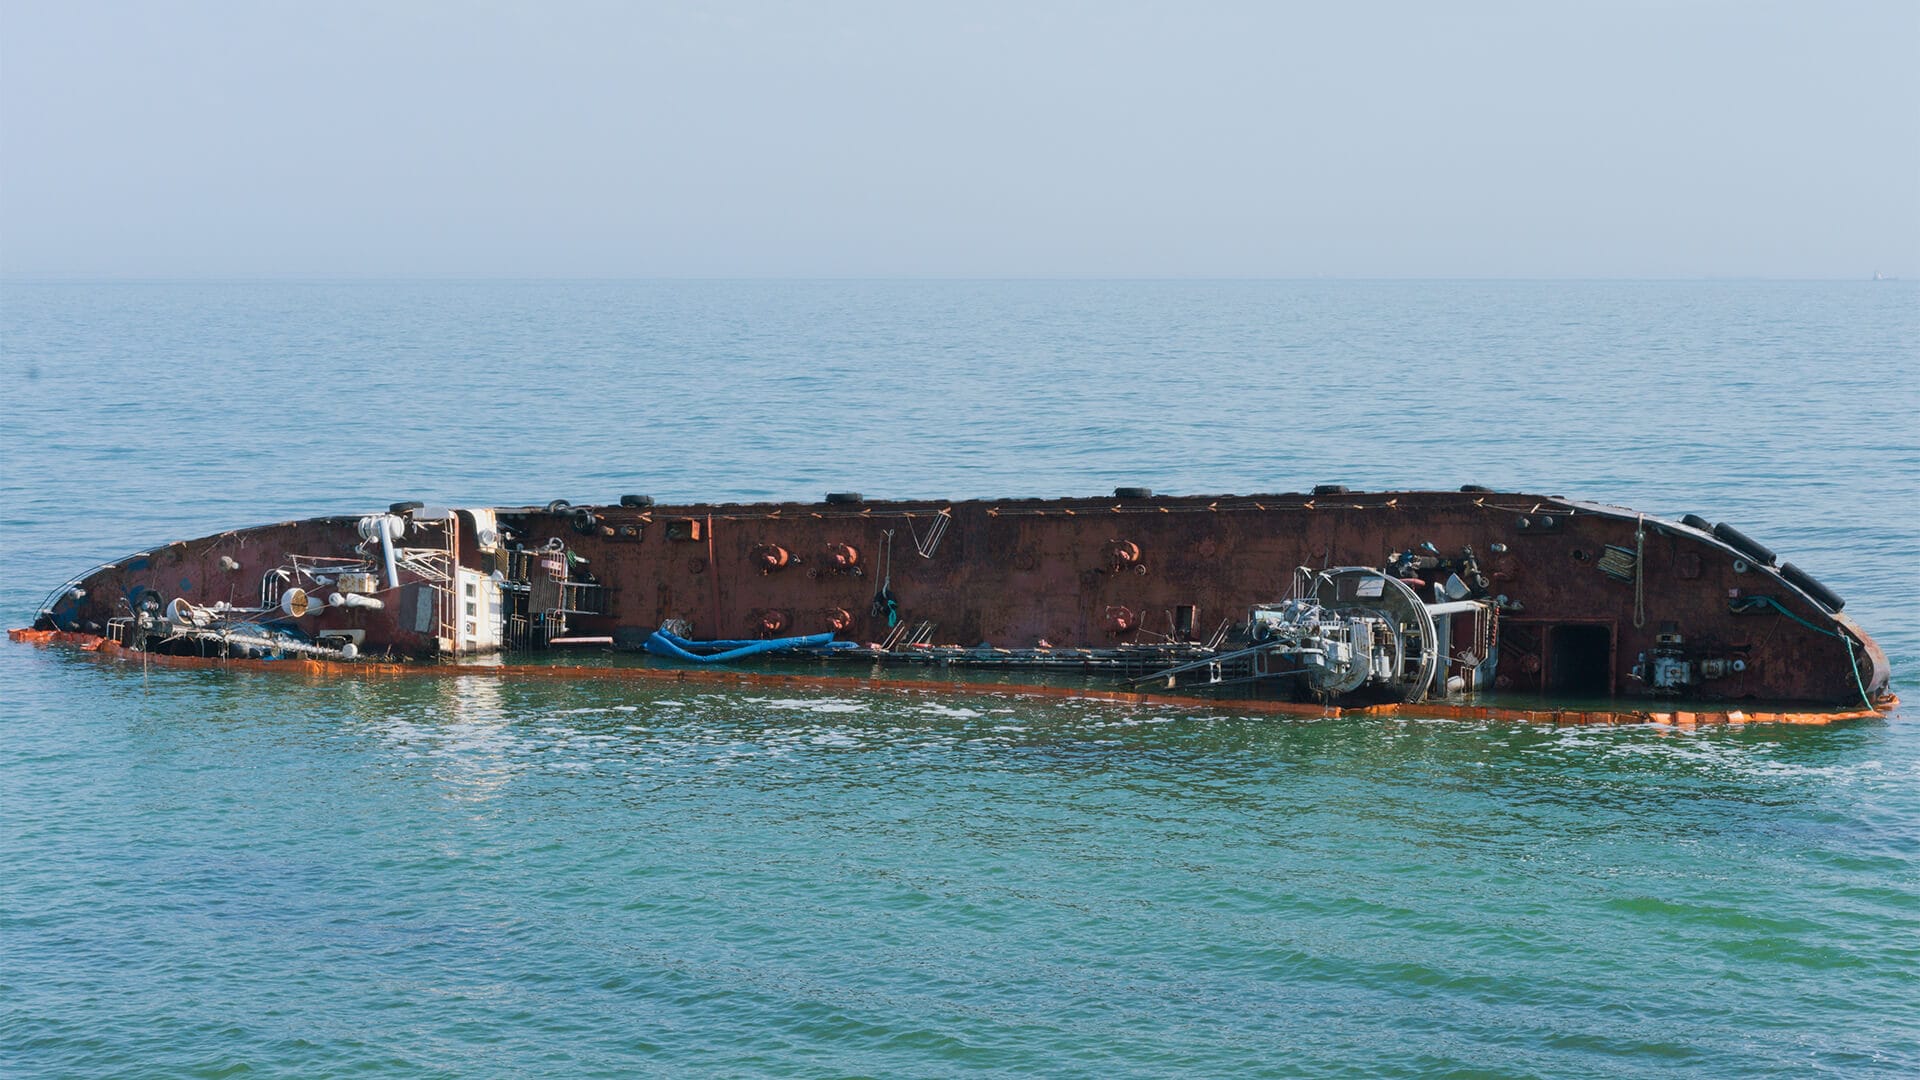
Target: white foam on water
x=815, y=705
x=957, y=713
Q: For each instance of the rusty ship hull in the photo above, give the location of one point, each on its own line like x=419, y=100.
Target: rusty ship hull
x=1530, y=594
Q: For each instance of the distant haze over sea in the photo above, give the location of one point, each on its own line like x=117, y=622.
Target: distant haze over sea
x=591, y=140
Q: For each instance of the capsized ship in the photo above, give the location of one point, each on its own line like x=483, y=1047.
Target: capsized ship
x=1331, y=599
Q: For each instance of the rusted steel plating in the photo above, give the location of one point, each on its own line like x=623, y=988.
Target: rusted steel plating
x=1592, y=601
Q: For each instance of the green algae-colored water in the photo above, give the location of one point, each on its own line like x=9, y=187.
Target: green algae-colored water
x=223, y=874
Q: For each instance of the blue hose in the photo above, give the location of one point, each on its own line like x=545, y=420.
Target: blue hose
x=662, y=643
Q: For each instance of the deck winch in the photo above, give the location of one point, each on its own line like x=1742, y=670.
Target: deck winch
x=1358, y=631
x=1338, y=653
x=1400, y=596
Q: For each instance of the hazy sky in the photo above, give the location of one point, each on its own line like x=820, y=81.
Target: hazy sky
x=1367, y=139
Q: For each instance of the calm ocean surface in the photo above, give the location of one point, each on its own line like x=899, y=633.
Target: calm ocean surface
x=216, y=875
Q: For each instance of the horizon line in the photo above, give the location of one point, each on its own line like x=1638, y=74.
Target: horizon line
x=14, y=277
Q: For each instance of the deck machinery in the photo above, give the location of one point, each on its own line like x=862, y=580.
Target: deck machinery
x=1358, y=632
x=1329, y=596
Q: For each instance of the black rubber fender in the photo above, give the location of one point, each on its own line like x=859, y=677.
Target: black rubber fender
x=1476, y=489
x=1806, y=583
x=1695, y=521
x=639, y=502
x=559, y=506
x=1132, y=493
x=844, y=498
x=585, y=521
x=1741, y=542
x=405, y=506
x=1329, y=489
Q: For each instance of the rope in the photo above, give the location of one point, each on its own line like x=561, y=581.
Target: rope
x=1640, y=573
x=713, y=574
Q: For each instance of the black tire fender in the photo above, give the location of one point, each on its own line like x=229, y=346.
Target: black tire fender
x=636, y=501
x=1695, y=521
x=559, y=506
x=1741, y=542
x=1132, y=493
x=1806, y=583
x=844, y=498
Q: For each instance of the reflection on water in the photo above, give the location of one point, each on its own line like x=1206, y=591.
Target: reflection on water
x=902, y=878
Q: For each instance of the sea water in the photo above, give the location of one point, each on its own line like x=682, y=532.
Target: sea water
x=207, y=874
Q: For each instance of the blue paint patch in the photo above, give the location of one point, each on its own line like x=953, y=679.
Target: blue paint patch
x=140, y=563
x=186, y=585
x=64, y=614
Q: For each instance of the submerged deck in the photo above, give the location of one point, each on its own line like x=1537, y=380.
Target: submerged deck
x=1575, y=601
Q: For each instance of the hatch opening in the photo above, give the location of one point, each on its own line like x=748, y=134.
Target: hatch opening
x=1580, y=660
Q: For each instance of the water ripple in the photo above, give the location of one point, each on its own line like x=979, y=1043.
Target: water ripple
x=214, y=875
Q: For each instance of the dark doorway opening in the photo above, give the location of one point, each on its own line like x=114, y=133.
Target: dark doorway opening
x=1184, y=617
x=1581, y=664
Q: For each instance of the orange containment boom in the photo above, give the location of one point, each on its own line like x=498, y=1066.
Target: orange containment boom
x=92, y=643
